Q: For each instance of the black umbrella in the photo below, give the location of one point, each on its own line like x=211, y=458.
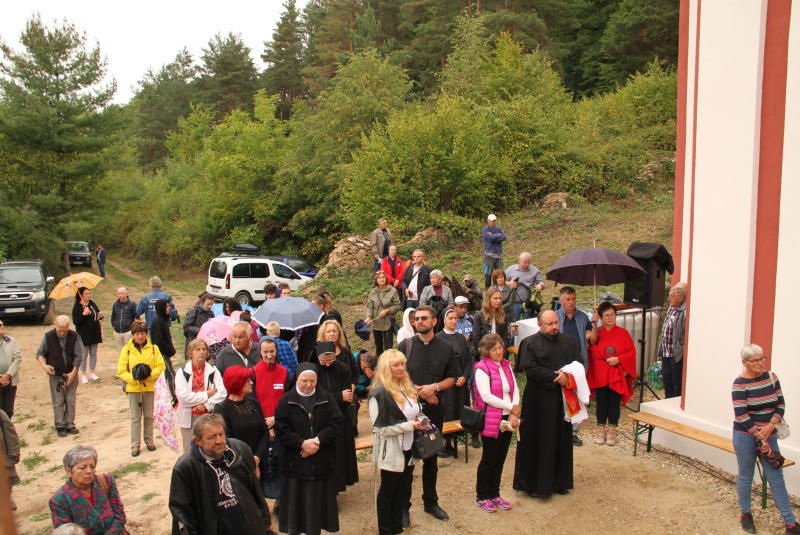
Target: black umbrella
x=590, y=267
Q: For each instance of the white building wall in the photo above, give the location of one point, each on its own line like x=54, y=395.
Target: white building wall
x=723, y=247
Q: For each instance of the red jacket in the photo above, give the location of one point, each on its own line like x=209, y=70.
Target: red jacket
x=270, y=385
x=399, y=269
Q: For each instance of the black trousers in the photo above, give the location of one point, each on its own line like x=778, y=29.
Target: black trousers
x=490, y=469
x=383, y=340
x=8, y=394
x=393, y=495
x=430, y=466
x=673, y=377
x=607, y=405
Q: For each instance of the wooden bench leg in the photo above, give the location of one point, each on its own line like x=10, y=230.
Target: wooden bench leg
x=635, y=438
x=649, y=437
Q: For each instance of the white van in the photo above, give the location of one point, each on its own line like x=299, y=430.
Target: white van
x=243, y=276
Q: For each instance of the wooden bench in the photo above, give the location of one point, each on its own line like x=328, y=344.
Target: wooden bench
x=450, y=428
x=646, y=423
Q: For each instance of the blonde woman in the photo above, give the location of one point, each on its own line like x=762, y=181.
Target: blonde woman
x=393, y=408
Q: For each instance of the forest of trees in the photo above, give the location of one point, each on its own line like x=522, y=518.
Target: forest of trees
x=431, y=112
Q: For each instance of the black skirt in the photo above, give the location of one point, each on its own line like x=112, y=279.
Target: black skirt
x=308, y=506
x=346, y=461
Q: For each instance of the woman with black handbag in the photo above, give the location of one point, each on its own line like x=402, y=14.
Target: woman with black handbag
x=393, y=408
x=758, y=409
x=497, y=393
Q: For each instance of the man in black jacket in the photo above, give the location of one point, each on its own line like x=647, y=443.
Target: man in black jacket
x=432, y=366
x=123, y=312
x=214, y=486
x=416, y=277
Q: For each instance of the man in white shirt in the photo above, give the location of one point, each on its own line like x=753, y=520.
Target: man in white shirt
x=416, y=277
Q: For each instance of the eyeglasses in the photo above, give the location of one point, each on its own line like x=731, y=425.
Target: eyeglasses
x=422, y=318
x=757, y=361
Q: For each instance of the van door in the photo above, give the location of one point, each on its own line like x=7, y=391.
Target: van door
x=286, y=274
x=259, y=273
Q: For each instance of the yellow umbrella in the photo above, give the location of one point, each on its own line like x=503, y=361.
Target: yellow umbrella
x=68, y=286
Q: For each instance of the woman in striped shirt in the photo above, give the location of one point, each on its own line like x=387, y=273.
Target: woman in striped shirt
x=758, y=408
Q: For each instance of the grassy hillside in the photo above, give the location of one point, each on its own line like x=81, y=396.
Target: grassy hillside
x=546, y=234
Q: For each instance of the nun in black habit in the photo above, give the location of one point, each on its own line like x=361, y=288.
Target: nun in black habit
x=307, y=421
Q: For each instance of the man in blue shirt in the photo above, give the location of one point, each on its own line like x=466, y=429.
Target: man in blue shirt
x=147, y=305
x=578, y=326
x=464, y=325
x=493, y=238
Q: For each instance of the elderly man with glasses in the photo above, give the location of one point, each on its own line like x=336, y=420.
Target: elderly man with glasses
x=60, y=355
x=670, y=349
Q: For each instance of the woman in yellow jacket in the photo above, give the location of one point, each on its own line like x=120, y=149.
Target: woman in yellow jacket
x=139, y=350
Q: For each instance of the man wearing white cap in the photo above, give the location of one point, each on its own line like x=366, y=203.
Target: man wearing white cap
x=493, y=238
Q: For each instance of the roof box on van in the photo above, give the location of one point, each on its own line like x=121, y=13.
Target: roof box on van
x=245, y=249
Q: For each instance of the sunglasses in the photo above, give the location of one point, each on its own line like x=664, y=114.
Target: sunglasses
x=422, y=318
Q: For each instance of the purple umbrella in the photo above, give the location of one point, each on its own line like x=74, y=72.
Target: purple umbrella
x=590, y=267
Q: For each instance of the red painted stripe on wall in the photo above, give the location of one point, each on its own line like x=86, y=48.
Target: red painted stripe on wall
x=680, y=152
x=770, y=166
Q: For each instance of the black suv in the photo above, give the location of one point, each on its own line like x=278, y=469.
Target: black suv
x=79, y=254
x=24, y=289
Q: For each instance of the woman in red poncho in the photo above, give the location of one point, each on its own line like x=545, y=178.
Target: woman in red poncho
x=612, y=369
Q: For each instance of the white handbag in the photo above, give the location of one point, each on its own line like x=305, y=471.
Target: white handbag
x=782, y=428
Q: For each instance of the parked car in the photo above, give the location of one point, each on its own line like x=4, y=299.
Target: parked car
x=243, y=273
x=297, y=264
x=24, y=289
x=79, y=254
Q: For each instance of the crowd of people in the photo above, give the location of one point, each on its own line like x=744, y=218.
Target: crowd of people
x=274, y=415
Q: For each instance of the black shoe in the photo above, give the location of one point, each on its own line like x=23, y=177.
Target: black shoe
x=789, y=529
x=576, y=441
x=562, y=492
x=444, y=454
x=73, y=431
x=135, y=451
x=437, y=512
x=151, y=447
x=747, y=523
x=476, y=441
x=406, y=518
x=534, y=494
x=61, y=432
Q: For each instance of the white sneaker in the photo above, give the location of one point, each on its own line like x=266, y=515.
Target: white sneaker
x=84, y=380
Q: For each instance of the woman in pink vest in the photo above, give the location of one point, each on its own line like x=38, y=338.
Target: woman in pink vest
x=497, y=392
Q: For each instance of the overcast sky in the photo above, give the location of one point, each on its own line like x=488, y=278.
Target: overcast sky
x=142, y=33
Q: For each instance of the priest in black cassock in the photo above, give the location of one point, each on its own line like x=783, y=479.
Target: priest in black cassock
x=544, y=451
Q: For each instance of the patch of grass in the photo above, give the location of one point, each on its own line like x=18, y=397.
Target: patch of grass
x=55, y=468
x=132, y=468
x=39, y=517
x=38, y=426
x=44, y=530
x=26, y=481
x=22, y=417
x=122, y=277
x=47, y=439
x=33, y=460
x=23, y=443
x=364, y=455
x=149, y=496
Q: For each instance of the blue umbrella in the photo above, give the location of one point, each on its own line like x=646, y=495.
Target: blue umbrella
x=289, y=312
x=218, y=309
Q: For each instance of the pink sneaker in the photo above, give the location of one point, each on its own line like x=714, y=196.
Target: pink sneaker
x=486, y=505
x=501, y=503
x=94, y=377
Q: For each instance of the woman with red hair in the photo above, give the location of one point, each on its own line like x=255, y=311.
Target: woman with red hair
x=244, y=419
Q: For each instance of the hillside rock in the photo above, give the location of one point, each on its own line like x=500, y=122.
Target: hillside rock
x=352, y=252
x=653, y=168
x=555, y=200
x=428, y=235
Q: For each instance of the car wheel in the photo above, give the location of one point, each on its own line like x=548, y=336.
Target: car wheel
x=48, y=317
x=243, y=297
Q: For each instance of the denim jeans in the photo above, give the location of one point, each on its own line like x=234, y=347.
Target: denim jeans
x=745, y=447
x=518, y=311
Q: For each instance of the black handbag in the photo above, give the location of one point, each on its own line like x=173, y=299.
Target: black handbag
x=427, y=443
x=773, y=458
x=472, y=419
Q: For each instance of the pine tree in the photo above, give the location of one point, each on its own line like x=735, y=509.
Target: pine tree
x=327, y=23
x=228, y=77
x=284, y=57
x=163, y=98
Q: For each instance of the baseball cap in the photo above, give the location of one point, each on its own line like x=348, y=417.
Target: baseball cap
x=491, y=217
x=461, y=300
